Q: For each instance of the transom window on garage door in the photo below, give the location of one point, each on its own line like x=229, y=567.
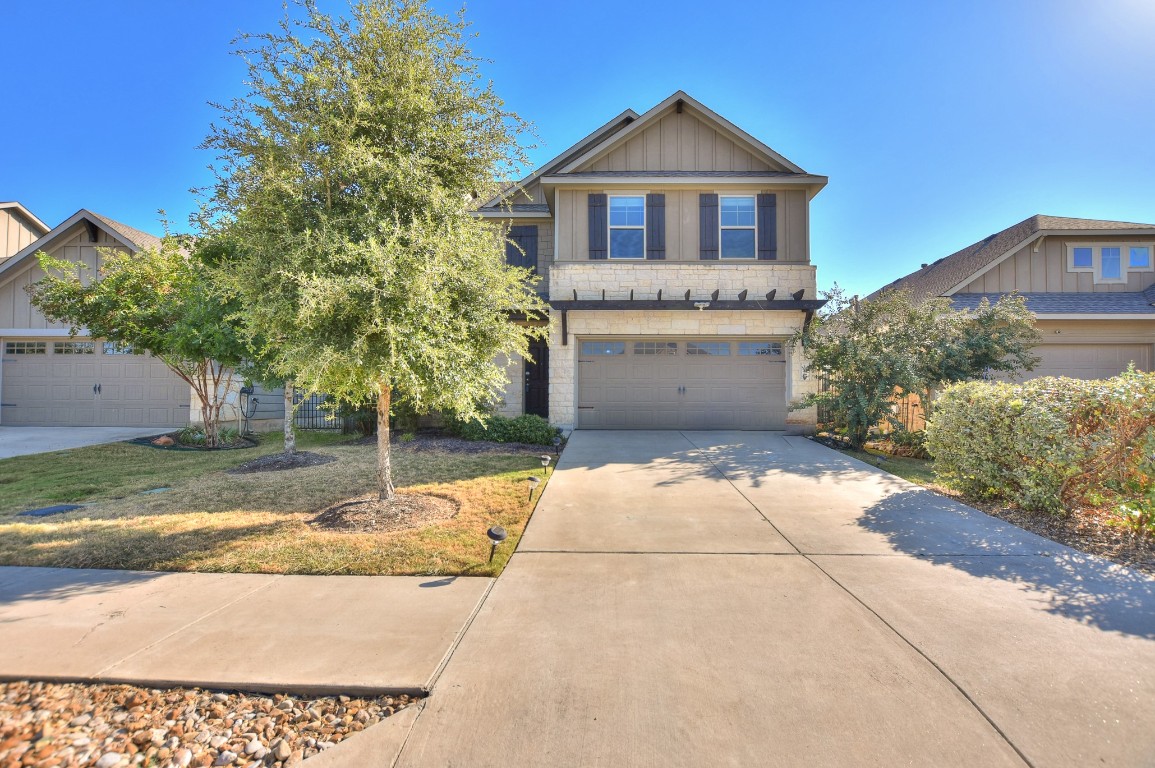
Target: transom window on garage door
x=25, y=348
x=655, y=347
x=73, y=348
x=771, y=348
x=713, y=348
x=603, y=348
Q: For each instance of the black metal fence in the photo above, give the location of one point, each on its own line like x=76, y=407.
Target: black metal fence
x=311, y=412
x=907, y=408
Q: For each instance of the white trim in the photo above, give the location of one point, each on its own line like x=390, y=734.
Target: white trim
x=44, y=228
x=1096, y=268
x=722, y=227
x=51, y=333
x=513, y=214
x=610, y=228
x=641, y=179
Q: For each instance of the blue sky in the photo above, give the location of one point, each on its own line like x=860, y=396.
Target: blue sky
x=938, y=123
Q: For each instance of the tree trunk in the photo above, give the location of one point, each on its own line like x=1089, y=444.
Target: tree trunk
x=290, y=433
x=384, y=469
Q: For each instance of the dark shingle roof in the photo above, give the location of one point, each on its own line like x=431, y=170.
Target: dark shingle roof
x=134, y=236
x=1133, y=303
x=938, y=278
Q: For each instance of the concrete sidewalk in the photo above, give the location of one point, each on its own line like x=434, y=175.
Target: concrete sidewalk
x=24, y=441
x=752, y=599
x=305, y=634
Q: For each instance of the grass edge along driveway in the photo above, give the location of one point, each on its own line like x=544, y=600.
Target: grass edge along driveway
x=211, y=521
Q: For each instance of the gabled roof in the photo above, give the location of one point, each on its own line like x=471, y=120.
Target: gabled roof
x=660, y=109
x=131, y=238
x=950, y=273
x=27, y=214
x=608, y=129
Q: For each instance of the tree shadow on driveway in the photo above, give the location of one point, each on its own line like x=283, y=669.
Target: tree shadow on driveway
x=1071, y=584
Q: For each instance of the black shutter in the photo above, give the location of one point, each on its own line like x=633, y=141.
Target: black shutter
x=521, y=247
x=708, y=226
x=767, y=227
x=598, y=231
x=656, y=227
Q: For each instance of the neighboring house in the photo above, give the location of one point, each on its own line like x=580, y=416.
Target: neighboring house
x=50, y=379
x=674, y=249
x=18, y=228
x=1089, y=283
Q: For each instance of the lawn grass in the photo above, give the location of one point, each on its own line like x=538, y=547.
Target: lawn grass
x=254, y=523
x=918, y=471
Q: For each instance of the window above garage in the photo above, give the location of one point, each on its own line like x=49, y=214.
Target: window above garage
x=1110, y=262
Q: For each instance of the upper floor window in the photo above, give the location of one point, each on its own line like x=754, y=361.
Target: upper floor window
x=627, y=226
x=736, y=221
x=1109, y=262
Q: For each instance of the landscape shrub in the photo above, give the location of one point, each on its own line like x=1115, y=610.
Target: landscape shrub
x=500, y=429
x=1049, y=443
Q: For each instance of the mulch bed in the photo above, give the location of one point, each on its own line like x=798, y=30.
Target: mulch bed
x=433, y=441
x=368, y=514
x=279, y=462
x=176, y=445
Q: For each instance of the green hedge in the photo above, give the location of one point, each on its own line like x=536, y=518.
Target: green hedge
x=1047, y=443
x=500, y=429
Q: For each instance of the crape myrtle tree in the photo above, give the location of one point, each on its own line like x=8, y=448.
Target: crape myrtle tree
x=872, y=350
x=159, y=300
x=345, y=181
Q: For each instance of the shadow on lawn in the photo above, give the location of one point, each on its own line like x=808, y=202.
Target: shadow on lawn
x=68, y=560
x=1073, y=585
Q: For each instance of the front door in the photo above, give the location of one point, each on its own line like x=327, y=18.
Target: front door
x=537, y=379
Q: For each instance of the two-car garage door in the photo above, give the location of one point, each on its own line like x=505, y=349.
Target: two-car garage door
x=638, y=383
x=1090, y=361
x=45, y=382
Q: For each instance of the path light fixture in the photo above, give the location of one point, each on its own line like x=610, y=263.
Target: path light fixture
x=557, y=446
x=533, y=482
x=496, y=535
x=545, y=460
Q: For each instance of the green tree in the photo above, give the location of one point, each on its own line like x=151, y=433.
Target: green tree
x=158, y=300
x=346, y=179
x=872, y=350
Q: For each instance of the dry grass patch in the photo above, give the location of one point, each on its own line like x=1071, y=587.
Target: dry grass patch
x=258, y=523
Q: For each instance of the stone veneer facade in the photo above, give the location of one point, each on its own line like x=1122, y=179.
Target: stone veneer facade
x=683, y=323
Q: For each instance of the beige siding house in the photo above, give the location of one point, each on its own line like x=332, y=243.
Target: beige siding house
x=19, y=228
x=674, y=251
x=1089, y=283
x=47, y=377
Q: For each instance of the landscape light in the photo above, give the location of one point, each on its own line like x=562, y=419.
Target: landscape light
x=496, y=535
x=545, y=460
x=533, y=482
x=557, y=446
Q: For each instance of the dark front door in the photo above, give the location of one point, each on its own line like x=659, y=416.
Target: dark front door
x=537, y=379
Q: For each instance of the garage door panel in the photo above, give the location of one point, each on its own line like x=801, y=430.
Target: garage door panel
x=1089, y=361
x=652, y=389
x=56, y=389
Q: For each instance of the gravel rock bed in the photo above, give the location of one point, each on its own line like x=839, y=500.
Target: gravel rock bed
x=58, y=725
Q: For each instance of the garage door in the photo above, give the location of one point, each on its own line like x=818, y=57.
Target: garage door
x=1090, y=361
x=85, y=383
x=681, y=384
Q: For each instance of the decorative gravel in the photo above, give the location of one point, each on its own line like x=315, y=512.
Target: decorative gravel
x=60, y=725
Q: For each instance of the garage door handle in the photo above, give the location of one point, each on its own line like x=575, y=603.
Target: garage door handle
x=94, y=389
x=98, y=389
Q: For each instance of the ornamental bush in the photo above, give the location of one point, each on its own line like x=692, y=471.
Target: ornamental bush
x=500, y=429
x=1048, y=443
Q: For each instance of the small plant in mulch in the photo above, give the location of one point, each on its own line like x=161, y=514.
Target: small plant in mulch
x=370, y=514
x=193, y=439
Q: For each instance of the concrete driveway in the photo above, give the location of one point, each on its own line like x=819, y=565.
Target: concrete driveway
x=22, y=441
x=752, y=599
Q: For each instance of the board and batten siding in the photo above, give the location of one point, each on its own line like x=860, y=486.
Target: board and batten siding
x=16, y=311
x=679, y=142
x=1045, y=271
x=682, y=223
x=16, y=232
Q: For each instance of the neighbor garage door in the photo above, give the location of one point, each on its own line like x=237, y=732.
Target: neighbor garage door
x=681, y=384
x=85, y=383
x=1090, y=361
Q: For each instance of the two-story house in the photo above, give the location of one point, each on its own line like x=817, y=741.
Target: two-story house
x=1089, y=283
x=674, y=250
